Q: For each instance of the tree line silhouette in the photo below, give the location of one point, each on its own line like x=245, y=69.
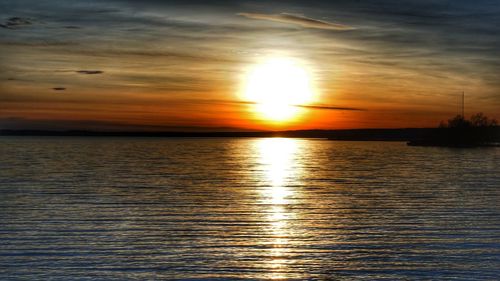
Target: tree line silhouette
x=475, y=121
x=479, y=130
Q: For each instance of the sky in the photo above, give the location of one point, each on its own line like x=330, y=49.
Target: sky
x=180, y=65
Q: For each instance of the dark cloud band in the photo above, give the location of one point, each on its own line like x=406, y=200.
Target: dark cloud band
x=319, y=107
x=15, y=22
x=89, y=71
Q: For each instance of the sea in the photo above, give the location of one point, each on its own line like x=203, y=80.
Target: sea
x=119, y=208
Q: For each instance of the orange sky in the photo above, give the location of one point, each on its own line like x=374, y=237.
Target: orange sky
x=114, y=65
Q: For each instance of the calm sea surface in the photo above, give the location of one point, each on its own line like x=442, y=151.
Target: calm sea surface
x=156, y=209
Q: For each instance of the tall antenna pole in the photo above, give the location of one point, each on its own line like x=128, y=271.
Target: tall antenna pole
x=463, y=104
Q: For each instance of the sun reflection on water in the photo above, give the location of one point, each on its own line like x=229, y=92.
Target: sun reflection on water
x=277, y=157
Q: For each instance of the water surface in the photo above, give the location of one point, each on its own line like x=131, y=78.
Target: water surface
x=152, y=208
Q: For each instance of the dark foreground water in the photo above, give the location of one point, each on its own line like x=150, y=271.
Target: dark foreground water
x=156, y=209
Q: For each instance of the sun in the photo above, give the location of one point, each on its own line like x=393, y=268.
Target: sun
x=277, y=86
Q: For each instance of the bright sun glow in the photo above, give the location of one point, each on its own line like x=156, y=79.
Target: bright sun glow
x=277, y=86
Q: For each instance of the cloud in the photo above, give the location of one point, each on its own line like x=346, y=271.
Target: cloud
x=297, y=20
x=329, y=107
x=15, y=22
x=58, y=88
x=18, y=79
x=319, y=107
x=89, y=71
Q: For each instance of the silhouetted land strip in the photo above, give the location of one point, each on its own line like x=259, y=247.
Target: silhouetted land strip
x=477, y=131
x=459, y=137
x=410, y=134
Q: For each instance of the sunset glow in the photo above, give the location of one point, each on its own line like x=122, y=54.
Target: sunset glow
x=203, y=65
x=277, y=86
x=249, y=140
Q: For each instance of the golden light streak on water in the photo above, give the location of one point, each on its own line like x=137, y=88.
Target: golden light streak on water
x=277, y=157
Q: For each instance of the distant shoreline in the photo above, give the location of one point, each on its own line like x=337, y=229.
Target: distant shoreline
x=403, y=134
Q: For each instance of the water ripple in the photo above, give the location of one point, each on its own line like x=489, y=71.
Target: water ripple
x=246, y=209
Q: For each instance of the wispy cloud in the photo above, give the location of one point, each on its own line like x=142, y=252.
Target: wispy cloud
x=89, y=71
x=297, y=20
x=329, y=107
x=16, y=22
x=319, y=107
